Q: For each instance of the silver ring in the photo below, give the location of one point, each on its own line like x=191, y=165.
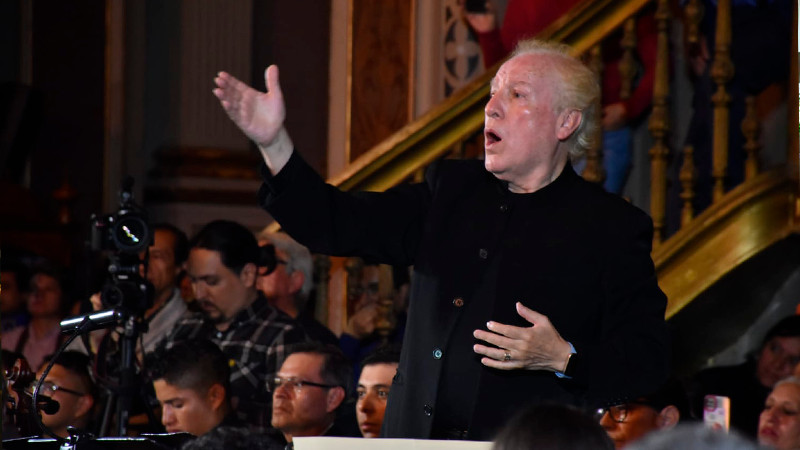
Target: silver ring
x=507, y=357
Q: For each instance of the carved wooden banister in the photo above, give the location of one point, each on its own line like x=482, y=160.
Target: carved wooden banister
x=721, y=73
x=659, y=125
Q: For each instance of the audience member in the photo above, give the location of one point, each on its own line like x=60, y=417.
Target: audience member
x=232, y=438
x=748, y=384
x=46, y=302
x=373, y=387
x=694, y=436
x=527, y=18
x=68, y=383
x=223, y=263
x=661, y=410
x=13, y=282
x=191, y=381
x=308, y=390
x=552, y=427
x=289, y=285
x=779, y=423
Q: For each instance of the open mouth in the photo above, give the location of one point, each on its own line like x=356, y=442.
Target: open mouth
x=491, y=137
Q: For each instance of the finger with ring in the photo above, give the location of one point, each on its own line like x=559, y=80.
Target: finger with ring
x=507, y=356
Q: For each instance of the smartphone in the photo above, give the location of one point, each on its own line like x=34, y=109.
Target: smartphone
x=717, y=412
x=475, y=6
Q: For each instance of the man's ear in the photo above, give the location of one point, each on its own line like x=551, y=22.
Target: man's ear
x=85, y=404
x=568, y=121
x=335, y=398
x=216, y=396
x=248, y=275
x=668, y=417
x=296, y=280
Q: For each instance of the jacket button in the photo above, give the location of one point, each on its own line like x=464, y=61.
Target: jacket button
x=503, y=208
x=437, y=353
x=458, y=302
x=483, y=253
x=428, y=410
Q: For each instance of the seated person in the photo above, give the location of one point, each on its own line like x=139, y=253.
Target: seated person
x=310, y=386
x=661, y=410
x=46, y=306
x=13, y=278
x=779, y=423
x=68, y=383
x=749, y=383
x=289, y=285
x=552, y=427
x=377, y=371
x=191, y=381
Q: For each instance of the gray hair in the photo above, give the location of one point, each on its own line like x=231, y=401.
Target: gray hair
x=695, y=436
x=580, y=89
x=791, y=379
x=299, y=258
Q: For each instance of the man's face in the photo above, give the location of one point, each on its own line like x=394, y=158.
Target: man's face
x=74, y=401
x=185, y=409
x=45, y=296
x=162, y=270
x=521, y=121
x=373, y=390
x=778, y=359
x=279, y=284
x=306, y=412
x=220, y=292
x=638, y=421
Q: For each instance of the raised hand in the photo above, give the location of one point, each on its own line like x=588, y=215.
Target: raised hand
x=538, y=347
x=259, y=115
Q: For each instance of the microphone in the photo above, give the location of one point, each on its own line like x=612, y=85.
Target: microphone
x=94, y=321
x=47, y=405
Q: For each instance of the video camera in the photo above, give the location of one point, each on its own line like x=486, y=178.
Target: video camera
x=124, y=235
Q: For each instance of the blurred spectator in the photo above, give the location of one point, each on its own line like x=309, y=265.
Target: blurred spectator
x=661, y=410
x=748, y=384
x=232, y=438
x=308, y=390
x=46, y=303
x=694, y=436
x=373, y=387
x=13, y=283
x=779, y=424
x=289, y=285
x=552, y=427
x=68, y=383
x=223, y=266
x=191, y=381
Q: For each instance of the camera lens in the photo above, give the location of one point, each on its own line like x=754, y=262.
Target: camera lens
x=131, y=234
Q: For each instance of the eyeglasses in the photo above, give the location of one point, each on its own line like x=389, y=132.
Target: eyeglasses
x=50, y=388
x=618, y=413
x=292, y=382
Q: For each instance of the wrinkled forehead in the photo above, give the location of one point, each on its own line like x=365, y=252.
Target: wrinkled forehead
x=525, y=69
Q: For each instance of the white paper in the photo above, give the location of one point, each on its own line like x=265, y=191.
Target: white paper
x=341, y=443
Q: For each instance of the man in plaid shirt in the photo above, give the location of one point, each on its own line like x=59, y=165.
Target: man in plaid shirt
x=223, y=265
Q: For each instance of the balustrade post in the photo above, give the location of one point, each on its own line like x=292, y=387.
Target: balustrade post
x=659, y=125
x=322, y=269
x=687, y=177
x=627, y=65
x=593, y=172
x=721, y=73
x=751, y=129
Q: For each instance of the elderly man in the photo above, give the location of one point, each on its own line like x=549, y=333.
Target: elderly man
x=308, y=390
x=223, y=264
x=289, y=285
x=551, y=274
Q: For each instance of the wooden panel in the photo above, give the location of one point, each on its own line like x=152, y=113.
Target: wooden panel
x=381, y=71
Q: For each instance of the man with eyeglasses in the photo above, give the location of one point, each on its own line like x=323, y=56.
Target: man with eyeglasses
x=631, y=421
x=308, y=390
x=69, y=384
x=289, y=285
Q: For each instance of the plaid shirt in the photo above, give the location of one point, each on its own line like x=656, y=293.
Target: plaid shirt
x=256, y=344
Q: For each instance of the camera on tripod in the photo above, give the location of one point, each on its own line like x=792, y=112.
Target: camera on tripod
x=124, y=235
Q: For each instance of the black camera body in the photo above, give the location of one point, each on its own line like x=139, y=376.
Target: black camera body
x=124, y=235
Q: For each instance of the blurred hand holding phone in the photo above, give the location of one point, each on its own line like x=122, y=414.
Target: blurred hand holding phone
x=717, y=412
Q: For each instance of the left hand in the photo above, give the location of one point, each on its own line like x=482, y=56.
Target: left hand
x=538, y=347
x=615, y=116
